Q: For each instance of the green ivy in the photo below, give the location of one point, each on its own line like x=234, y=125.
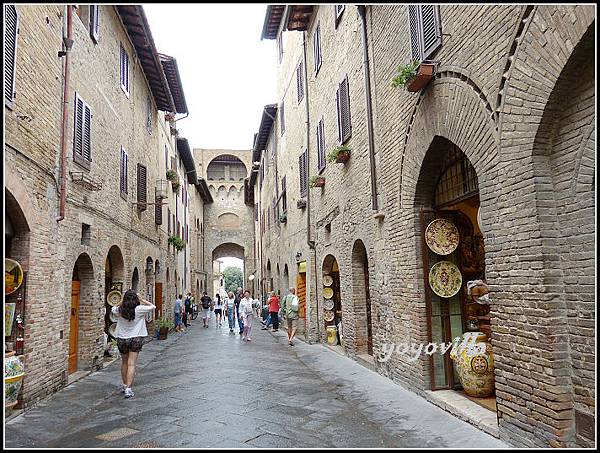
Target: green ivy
x=177, y=242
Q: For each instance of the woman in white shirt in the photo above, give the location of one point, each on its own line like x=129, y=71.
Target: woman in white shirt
x=246, y=310
x=130, y=333
x=229, y=303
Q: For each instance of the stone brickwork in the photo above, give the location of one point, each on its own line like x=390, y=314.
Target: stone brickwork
x=505, y=93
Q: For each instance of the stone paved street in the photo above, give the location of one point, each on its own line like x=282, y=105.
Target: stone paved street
x=207, y=388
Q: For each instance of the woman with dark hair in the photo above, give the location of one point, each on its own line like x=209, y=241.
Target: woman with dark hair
x=130, y=332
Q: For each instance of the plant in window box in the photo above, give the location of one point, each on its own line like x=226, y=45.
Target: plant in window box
x=317, y=181
x=301, y=204
x=340, y=154
x=176, y=242
x=283, y=217
x=163, y=325
x=414, y=76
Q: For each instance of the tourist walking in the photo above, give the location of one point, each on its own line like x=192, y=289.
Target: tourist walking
x=229, y=306
x=206, y=303
x=218, y=310
x=178, y=310
x=289, y=308
x=130, y=333
x=247, y=311
x=274, y=306
x=238, y=298
x=187, y=309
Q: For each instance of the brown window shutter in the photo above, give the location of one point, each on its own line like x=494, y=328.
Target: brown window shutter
x=432, y=31
x=141, y=187
x=321, y=145
x=78, y=132
x=345, y=131
x=169, y=221
x=10, y=51
x=303, y=174
x=87, y=133
x=95, y=22
x=317, y=48
x=123, y=172
x=158, y=212
x=300, y=81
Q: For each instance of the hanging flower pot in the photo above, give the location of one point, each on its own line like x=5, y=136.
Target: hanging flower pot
x=317, y=181
x=339, y=155
x=414, y=76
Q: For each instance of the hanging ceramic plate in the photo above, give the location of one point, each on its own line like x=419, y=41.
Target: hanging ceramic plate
x=111, y=330
x=327, y=280
x=113, y=298
x=327, y=293
x=442, y=236
x=329, y=315
x=479, y=218
x=445, y=279
x=329, y=304
x=13, y=276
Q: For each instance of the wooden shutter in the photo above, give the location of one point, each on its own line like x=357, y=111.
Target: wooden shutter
x=94, y=22
x=10, y=52
x=320, y=145
x=78, y=132
x=82, y=147
x=169, y=221
x=300, y=81
x=124, y=70
x=283, y=195
x=317, y=48
x=415, y=32
x=123, y=172
x=141, y=187
x=87, y=133
x=302, y=161
x=149, y=115
x=282, y=117
x=343, y=110
x=432, y=32
x=158, y=212
x=280, y=46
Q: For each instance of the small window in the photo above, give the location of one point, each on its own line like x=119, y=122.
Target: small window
x=339, y=10
x=317, y=49
x=283, y=195
x=10, y=53
x=320, y=146
x=149, y=115
x=82, y=142
x=343, y=111
x=123, y=174
x=158, y=209
x=425, y=31
x=124, y=71
x=282, y=117
x=169, y=221
x=280, y=46
x=141, y=187
x=302, y=165
x=86, y=234
x=300, y=81
x=95, y=22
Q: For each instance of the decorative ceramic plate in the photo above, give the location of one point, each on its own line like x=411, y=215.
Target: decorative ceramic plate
x=445, y=279
x=329, y=304
x=327, y=280
x=327, y=293
x=113, y=298
x=13, y=276
x=111, y=330
x=442, y=236
x=479, y=217
x=329, y=315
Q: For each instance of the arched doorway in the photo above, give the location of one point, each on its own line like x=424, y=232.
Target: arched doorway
x=361, y=300
x=332, y=299
x=447, y=192
x=228, y=269
x=114, y=276
x=135, y=280
x=82, y=297
x=269, y=278
x=285, y=285
x=277, y=289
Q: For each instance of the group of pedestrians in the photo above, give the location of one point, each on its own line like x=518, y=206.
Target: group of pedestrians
x=183, y=311
x=288, y=308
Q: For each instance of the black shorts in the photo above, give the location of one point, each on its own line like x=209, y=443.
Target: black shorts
x=217, y=311
x=127, y=345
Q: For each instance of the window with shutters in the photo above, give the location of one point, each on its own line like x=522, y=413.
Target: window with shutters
x=10, y=53
x=302, y=161
x=320, y=146
x=280, y=46
x=339, y=10
x=123, y=167
x=141, y=187
x=282, y=117
x=166, y=159
x=95, y=22
x=317, y=49
x=82, y=140
x=300, y=81
x=283, y=195
x=149, y=115
x=158, y=211
x=342, y=98
x=169, y=221
x=124, y=71
x=425, y=31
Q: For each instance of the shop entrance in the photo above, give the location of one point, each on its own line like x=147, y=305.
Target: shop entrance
x=361, y=300
x=332, y=301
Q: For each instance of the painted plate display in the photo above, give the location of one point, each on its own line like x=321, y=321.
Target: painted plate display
x=479, y=218
x=445, y=279
x=113, y=298
x=327, y=280
x=442, y=236
x=329, y=315
x=327, y=293
x=329, y=304
x=13, y=276
x=112, y=329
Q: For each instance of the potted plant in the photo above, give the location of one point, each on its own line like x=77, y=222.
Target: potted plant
x=176, y=242
x=340, y=154
x=301, y=204
x=163, y=325
x=414, y=76
x=317, y=181
x=283, y=217
x=172, y=176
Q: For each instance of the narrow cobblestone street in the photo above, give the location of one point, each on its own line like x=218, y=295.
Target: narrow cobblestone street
x=207, y=388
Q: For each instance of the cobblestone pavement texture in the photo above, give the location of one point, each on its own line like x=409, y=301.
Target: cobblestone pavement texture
x=208, y=388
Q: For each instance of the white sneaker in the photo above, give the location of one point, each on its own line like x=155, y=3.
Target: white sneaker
x=122, y=388
x=129, y=393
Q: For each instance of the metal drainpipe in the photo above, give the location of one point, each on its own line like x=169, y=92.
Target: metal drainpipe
x=310, y=243
x=363, y=18
x=68, y=44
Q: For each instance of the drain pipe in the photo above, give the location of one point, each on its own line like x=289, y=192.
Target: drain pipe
x=68, y=44
x=363, y=19
x=309, y=241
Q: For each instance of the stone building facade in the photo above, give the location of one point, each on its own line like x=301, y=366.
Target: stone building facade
x=501, y=140
x=118, y=141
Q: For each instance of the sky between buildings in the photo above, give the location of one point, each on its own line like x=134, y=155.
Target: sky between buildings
x=228, y=73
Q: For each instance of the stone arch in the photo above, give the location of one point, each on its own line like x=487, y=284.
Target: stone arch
x=331, y=267
x=17, y=231
x=83, y=321
x=114, y=276
x=226, y=167
x=135, y=279
x=361, y=301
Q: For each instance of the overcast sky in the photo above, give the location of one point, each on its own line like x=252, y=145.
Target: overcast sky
x=228, y=73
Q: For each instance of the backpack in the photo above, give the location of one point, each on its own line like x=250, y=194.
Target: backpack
x=188, y=303
x=294, y=303
x=206, y=302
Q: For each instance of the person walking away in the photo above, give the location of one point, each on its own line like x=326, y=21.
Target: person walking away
x=187, y=310
x=240, y=320
x=229, y=306
x=206, y=303
x=218, y=311
x=178, y=309
x=131, y=330
x=247, y=310
x=273, y=312
x=289, y=308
